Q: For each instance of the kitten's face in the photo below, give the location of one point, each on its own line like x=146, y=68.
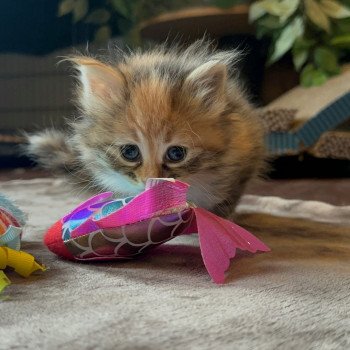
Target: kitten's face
x=138, y=126
x=157, y=133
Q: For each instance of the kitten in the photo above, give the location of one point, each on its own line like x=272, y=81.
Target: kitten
x=162, y=113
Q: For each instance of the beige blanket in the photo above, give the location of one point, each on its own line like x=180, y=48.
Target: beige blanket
x=296, y=297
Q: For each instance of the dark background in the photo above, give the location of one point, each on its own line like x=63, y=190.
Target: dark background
x=32, y=27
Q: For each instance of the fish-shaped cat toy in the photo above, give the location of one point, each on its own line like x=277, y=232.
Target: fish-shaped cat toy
x=103, y=228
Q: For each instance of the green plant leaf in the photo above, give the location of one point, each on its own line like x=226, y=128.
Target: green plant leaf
x=102, y=34
x=283, y=9
x=304, y=43
x=310, y=76
x=256, y=11
x=342, y=26
x=326, y=60
x=267, y=26
x=269, y=22
x=300, y=51
x=262, y=31
x=81, y=8
x=65, y=7
x=98, y=16
x=334, y=9
x=122, y=7
x=286, y=39
x=341, y=41
x=316, y=15
x=299, y=57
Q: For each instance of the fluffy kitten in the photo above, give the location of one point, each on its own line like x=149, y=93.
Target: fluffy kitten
x=162, y=113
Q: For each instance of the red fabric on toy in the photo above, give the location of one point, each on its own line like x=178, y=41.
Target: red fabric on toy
x=53, y=240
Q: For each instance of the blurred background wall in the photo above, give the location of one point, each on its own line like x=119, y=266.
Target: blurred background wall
x=36, y=93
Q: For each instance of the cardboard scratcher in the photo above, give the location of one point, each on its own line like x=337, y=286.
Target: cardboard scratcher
x=318, y=135
x=313, y=120
x=333, y=144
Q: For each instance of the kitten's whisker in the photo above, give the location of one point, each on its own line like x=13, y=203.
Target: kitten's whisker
x=110, y=146
x=85, y=189
x=213, y=197
x=207, y=191
x=115, y=153
x=207, y=194
x=191, y=130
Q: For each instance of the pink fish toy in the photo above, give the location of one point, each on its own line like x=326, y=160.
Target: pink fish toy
x=104, y=228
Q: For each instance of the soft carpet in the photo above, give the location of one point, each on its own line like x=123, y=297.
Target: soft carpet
x=296, y=297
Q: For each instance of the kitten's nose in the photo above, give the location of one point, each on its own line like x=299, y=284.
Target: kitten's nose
x=151, y=172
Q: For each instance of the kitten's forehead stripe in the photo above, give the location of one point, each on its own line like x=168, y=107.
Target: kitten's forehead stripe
x=163, y=66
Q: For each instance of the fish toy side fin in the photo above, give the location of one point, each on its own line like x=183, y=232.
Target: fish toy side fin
x=219, y=239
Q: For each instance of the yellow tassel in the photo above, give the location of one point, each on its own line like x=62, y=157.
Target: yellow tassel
x=4, y=281
x=22, y=262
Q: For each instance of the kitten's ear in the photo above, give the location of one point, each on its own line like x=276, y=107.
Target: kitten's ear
x=100, y=85
x=208, y=81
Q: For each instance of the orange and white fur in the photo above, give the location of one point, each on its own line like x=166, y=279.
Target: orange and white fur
x=160, y=113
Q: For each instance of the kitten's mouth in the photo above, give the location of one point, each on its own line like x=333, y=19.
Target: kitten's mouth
x=119, y=184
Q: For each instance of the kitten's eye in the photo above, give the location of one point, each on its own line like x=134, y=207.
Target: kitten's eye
x=176, y=153
x=130, y=153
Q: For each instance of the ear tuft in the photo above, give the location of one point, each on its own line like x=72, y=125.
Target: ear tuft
x=208, y=81
x=100, y=85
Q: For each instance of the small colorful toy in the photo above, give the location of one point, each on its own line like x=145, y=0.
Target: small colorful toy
x=12, y=220
x=103, y=228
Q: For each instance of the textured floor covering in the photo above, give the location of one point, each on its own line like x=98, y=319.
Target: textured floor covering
x=296, y=297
